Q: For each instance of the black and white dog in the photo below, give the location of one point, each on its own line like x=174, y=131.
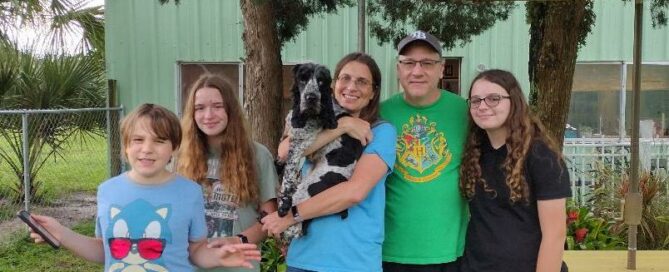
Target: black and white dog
x=313, y=111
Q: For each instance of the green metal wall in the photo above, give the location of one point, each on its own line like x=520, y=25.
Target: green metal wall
x=145, y=41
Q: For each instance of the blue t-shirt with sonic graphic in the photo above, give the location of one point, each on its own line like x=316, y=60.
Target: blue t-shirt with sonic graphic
x=149, y=227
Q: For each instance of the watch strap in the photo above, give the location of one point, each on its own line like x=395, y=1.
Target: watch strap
x=296, y=214
x=243, y=238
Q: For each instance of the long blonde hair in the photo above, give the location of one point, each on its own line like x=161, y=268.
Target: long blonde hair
x=237, y=168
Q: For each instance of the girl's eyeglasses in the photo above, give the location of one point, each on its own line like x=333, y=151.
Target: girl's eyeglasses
x=148, y=248
x=490, y=100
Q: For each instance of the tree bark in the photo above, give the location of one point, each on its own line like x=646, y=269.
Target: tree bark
x=263, y=76
x=556, y=29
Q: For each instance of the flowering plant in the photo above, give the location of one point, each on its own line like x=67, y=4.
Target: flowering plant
x=584, y=231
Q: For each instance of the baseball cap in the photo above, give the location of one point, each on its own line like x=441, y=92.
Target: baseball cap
x=420, y=36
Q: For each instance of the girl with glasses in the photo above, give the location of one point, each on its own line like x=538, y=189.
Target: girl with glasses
x=515, y=181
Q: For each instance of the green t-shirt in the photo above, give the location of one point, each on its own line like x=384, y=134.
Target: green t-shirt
x=224, y=216
x=426, y=217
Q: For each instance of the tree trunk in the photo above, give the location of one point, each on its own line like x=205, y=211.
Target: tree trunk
x=263, y=77
x=556, y=30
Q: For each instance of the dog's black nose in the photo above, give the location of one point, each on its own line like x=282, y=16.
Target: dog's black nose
x=311, y=97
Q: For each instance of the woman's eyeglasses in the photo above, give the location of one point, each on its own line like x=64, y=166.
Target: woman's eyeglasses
x=148, y=248
x=359, y=83
x=490, y=100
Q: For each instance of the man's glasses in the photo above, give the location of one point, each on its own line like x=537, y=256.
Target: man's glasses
x=426, y=63
x=359, y=83
x=148, y=248
x=490, y=100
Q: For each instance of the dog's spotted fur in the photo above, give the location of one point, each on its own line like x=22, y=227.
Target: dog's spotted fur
x=314, y=110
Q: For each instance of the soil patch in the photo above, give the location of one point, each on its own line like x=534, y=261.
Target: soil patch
x=69, y=211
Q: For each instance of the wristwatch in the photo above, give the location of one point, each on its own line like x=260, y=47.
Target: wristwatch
x=296, y=214
x=243, y=238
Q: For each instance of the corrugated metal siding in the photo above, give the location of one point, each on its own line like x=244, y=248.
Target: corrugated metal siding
x=612, y=37
x=145, y=41
x=504, y=46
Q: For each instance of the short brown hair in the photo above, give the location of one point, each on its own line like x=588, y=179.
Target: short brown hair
x=163, y=123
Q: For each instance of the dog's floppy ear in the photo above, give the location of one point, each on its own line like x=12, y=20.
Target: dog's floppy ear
x=327, y=114
x=295, y=119
x=296, y=68
x=327, y=110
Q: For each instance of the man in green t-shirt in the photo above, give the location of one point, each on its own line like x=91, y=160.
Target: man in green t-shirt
x=426, y=217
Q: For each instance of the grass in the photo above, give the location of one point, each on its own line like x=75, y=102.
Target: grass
x=21, y=254
x=82, y=167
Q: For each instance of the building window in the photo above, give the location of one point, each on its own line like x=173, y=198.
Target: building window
x=601, y=100
x=190, y=72
x=233, y=72
x=450, y=80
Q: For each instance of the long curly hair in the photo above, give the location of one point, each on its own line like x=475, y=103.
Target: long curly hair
x=237, y=167
x=523, y=128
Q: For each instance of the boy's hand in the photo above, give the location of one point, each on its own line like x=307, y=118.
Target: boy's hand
x=238, y=255
x=50, y=224
x=222, y=241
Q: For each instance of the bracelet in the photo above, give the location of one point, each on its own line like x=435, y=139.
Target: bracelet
x=243, y=238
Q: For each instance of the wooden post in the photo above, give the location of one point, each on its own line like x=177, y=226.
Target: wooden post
x=633, y=199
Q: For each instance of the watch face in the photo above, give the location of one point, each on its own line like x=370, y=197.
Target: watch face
x=243, y=238
x=296, y=214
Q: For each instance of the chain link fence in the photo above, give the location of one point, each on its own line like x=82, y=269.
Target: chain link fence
x=51, y=161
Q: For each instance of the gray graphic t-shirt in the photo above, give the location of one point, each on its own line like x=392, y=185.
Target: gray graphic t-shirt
x=224, y=216
x=220, y=207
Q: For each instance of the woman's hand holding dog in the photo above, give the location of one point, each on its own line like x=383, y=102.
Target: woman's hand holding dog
x=275, y=225
x=356, y=128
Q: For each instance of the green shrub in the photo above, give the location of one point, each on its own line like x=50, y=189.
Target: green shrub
x=587, y=232
x=273, y=257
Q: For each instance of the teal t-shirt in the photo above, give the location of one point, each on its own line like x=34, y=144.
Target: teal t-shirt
x=426, y=216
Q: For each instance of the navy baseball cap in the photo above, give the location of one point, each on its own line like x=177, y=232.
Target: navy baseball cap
x=420, y=36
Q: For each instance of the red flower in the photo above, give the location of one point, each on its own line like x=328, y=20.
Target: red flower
x=579, y=234
x=572, y=216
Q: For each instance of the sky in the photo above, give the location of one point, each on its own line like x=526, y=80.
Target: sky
x=34, y=36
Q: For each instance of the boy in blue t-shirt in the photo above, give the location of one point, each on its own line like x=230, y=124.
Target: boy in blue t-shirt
x=149, y=218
